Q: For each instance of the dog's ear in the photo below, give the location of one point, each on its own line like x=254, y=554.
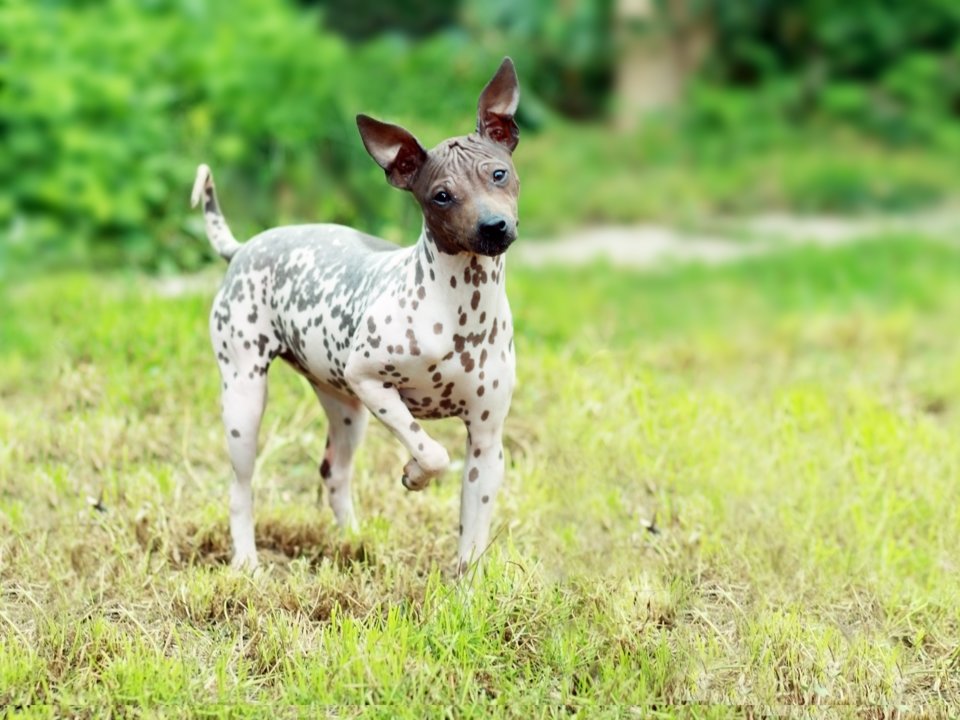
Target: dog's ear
x=394, y=149
x=497, y=106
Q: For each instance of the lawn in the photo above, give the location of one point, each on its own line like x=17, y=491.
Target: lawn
x=726, y=487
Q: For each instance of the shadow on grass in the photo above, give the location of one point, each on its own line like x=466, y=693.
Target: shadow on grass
x=192, y=543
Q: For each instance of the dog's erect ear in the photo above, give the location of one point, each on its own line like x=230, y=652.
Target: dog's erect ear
x=394, y=149
x=497, y=106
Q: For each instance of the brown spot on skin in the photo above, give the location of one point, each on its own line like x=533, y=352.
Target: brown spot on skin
x=463, y=318
x=347, y=421
x=421, y=292
x=476, y=453
x=475, y=299
x=461, y=528
x=480, y=391
x=383, y=411
x=388, y=385
x=432, y=368
x=325, y=469
x=484, y=415
x=485, y=499
x=414, y=346
x=235, y=433
x=438, y=328
x=371, y=325
x=436, y=377
x=453, y=281
x=420, y=447
x=474, y=474
x=414, y=426
x=387, y=319
x=496, y=384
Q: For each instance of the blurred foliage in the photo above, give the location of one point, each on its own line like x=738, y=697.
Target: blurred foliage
x=565, y=47
x=413, y=18
x=107, y=107
x=890, y=68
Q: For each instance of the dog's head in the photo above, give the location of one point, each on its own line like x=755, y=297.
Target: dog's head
x=467, y=186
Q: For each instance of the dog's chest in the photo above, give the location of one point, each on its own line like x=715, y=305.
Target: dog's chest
x=473, y=379
x=446, y=345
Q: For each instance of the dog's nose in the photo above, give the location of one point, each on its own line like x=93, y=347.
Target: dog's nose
x=495, y=229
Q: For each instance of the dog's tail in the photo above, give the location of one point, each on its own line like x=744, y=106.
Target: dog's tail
x=218, y=232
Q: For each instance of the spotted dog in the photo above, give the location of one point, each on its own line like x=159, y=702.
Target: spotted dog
x=409, y=334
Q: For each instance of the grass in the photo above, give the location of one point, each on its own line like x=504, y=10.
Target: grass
x=729, y=489
x=668, y=173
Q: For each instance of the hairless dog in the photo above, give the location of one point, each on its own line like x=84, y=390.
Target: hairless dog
x=410, y=333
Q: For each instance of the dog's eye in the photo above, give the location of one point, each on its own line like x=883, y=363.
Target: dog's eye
x=499, y=175
x=442, y=197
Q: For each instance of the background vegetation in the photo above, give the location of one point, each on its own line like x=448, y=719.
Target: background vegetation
x=107, y=107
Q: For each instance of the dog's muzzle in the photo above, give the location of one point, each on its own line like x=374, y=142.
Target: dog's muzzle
x=494, y=236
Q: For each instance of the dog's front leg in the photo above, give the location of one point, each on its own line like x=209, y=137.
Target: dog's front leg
x=482, y=477
x=430, y=458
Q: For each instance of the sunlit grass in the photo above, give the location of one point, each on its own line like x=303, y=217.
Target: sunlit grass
x=733, y=485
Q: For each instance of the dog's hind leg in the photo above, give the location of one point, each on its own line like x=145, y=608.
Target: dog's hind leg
x=243, y=401
x=347, y=421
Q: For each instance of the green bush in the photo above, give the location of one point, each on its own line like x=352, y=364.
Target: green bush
x=109, y=107
x=885, y=67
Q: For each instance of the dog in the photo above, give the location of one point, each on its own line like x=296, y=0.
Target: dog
x=408, y=334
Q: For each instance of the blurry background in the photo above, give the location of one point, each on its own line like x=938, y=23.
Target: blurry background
x=673, y=111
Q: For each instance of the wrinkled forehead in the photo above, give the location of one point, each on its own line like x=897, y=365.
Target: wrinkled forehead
x=461, y=157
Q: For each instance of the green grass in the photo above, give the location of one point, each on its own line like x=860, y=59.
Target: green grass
x=726, y=487
x=668, y=173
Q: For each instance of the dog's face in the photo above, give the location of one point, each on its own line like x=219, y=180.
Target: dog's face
x=467, y=186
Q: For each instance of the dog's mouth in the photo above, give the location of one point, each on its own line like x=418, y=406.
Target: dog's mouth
x=491, y=247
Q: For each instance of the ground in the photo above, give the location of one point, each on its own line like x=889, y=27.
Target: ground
x=727, y=486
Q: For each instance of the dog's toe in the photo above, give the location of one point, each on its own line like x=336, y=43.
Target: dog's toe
x=247, y=563
x=414, y=485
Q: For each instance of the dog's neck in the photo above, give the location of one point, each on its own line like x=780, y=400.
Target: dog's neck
x=457, y=276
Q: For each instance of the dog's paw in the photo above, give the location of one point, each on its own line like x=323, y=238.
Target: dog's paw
x=433, y=459
x=245, y=562
x=414, y=478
